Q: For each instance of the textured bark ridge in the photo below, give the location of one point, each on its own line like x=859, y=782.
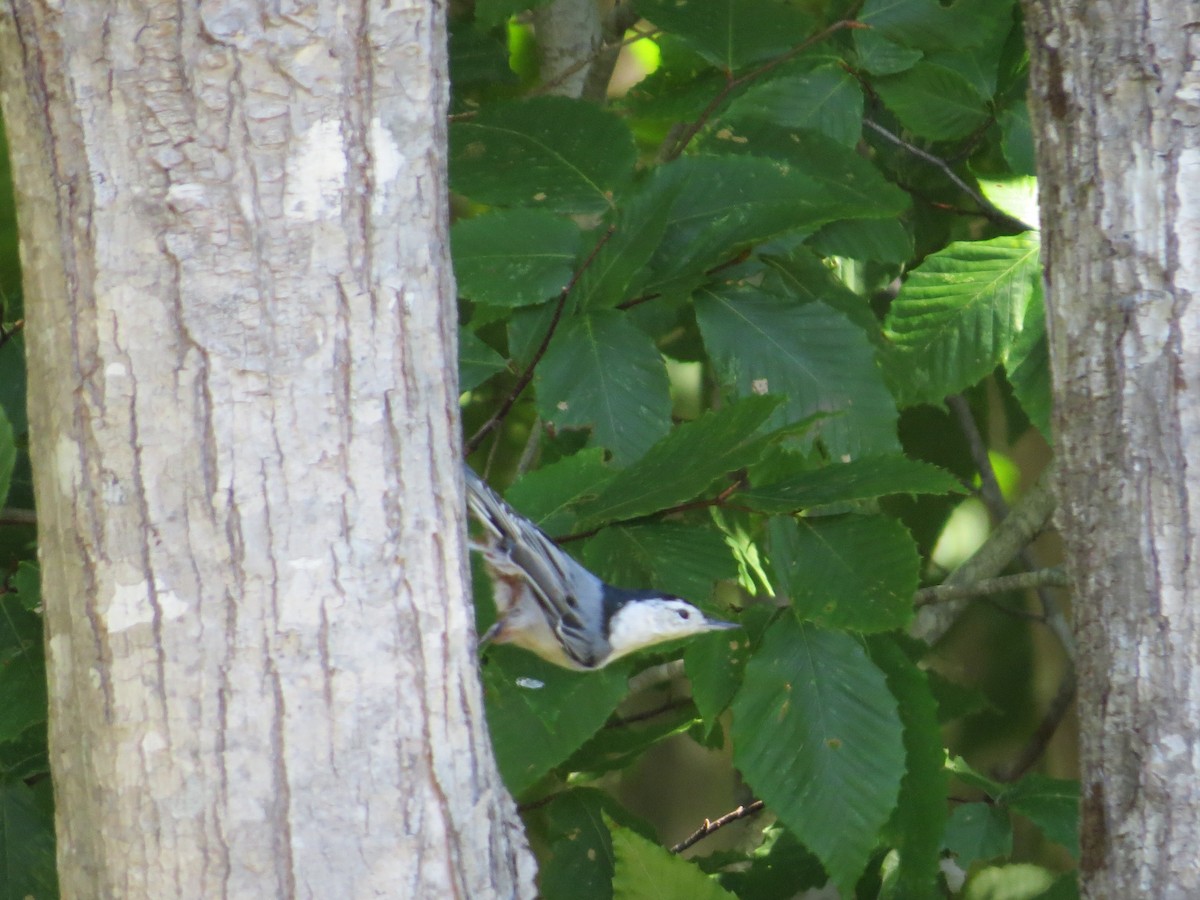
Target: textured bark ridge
x=243, y=412
x=1115, y=103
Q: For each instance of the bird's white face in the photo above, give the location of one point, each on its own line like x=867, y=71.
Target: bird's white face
x=647, y=622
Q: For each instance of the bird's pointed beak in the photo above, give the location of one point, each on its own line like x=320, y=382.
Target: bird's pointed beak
x=720, y=625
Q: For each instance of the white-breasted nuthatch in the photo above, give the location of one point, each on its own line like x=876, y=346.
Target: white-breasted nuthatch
x=548, y=603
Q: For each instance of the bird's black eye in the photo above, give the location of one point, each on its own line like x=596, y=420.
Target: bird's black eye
x=684, y=614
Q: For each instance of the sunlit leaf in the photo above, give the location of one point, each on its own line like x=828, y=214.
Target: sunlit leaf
x=815, y=729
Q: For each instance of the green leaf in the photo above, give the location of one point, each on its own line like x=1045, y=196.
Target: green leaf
x=715, y=668
x=800, y=275
x=852, y=572
x=931, y=25
x=550, y=495
x=978, y=831
x=1017, y=139
x=961, y=769
x=27, y=583
x=919, y=821
x=8, y=455
x=1014, y=881
x=620, y=745
x=516, y=257
x=832, y=183
x=723, y=204
x=685, y=560
x=646, y=871
x=868, y=478
x=880, y=56
x=12, y=369
x=815, y=729
x=806, y=352
x=22, y=668
x=878, y=240
x=621, y=261
x=958, y=314
x=781, y=868
x=539, y=714
x=1028, y=364
x=26, y=756
x=27, y=867
x=1050, y=803
x=827, y=99
x=934, y=102
x=477, y=362
x=602, y=372
x=548, y=152
x=731, y=33
x=580, y=862
x=478, y=56
x=1066, y=887
x=684, y=463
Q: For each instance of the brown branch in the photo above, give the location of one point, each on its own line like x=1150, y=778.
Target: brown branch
x=501, y=414
x=1026, y=519
x=994, y=498
x=986, y=208
x=669, y=706
x=1022, y=581
x=711, y=825
x=673, y=150
x=1046, y=729
x=989, y=485
x=18, y=517
x=7, y=334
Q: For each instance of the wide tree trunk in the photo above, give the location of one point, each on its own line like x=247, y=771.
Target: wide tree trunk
x=1115, y=100
x=244, y=428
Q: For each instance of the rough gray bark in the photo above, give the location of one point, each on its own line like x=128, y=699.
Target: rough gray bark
x=244, y=427
x=1115, y=101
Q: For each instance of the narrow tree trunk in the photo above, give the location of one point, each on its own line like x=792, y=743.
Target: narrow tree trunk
x=1115, y=109
x=245, y=437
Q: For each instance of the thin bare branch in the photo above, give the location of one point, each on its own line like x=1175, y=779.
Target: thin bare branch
x=711, y=825
x=1046, y=729
x=18, y=517
x=526, y=376
x=1023, y=581
x=986, y=207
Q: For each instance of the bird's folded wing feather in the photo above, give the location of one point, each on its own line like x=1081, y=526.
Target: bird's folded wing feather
x=557, y=580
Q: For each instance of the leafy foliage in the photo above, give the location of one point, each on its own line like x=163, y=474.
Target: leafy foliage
x=762, y=295
x=705, y=330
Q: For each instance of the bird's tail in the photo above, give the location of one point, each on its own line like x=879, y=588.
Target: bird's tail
x=492, y=512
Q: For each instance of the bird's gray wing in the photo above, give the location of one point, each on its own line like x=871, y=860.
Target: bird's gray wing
x=570, y=596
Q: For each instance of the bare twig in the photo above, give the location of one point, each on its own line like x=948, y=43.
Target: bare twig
x=989, y=486
x=711, y=825
x=1046, y=729
x=672, y=151
x=669, y=706
x=994, y=498
x=943, y=593
x=1026, y=519
x=7, y=333
x=18, y=517
x=986, y=207
x=501, y=414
